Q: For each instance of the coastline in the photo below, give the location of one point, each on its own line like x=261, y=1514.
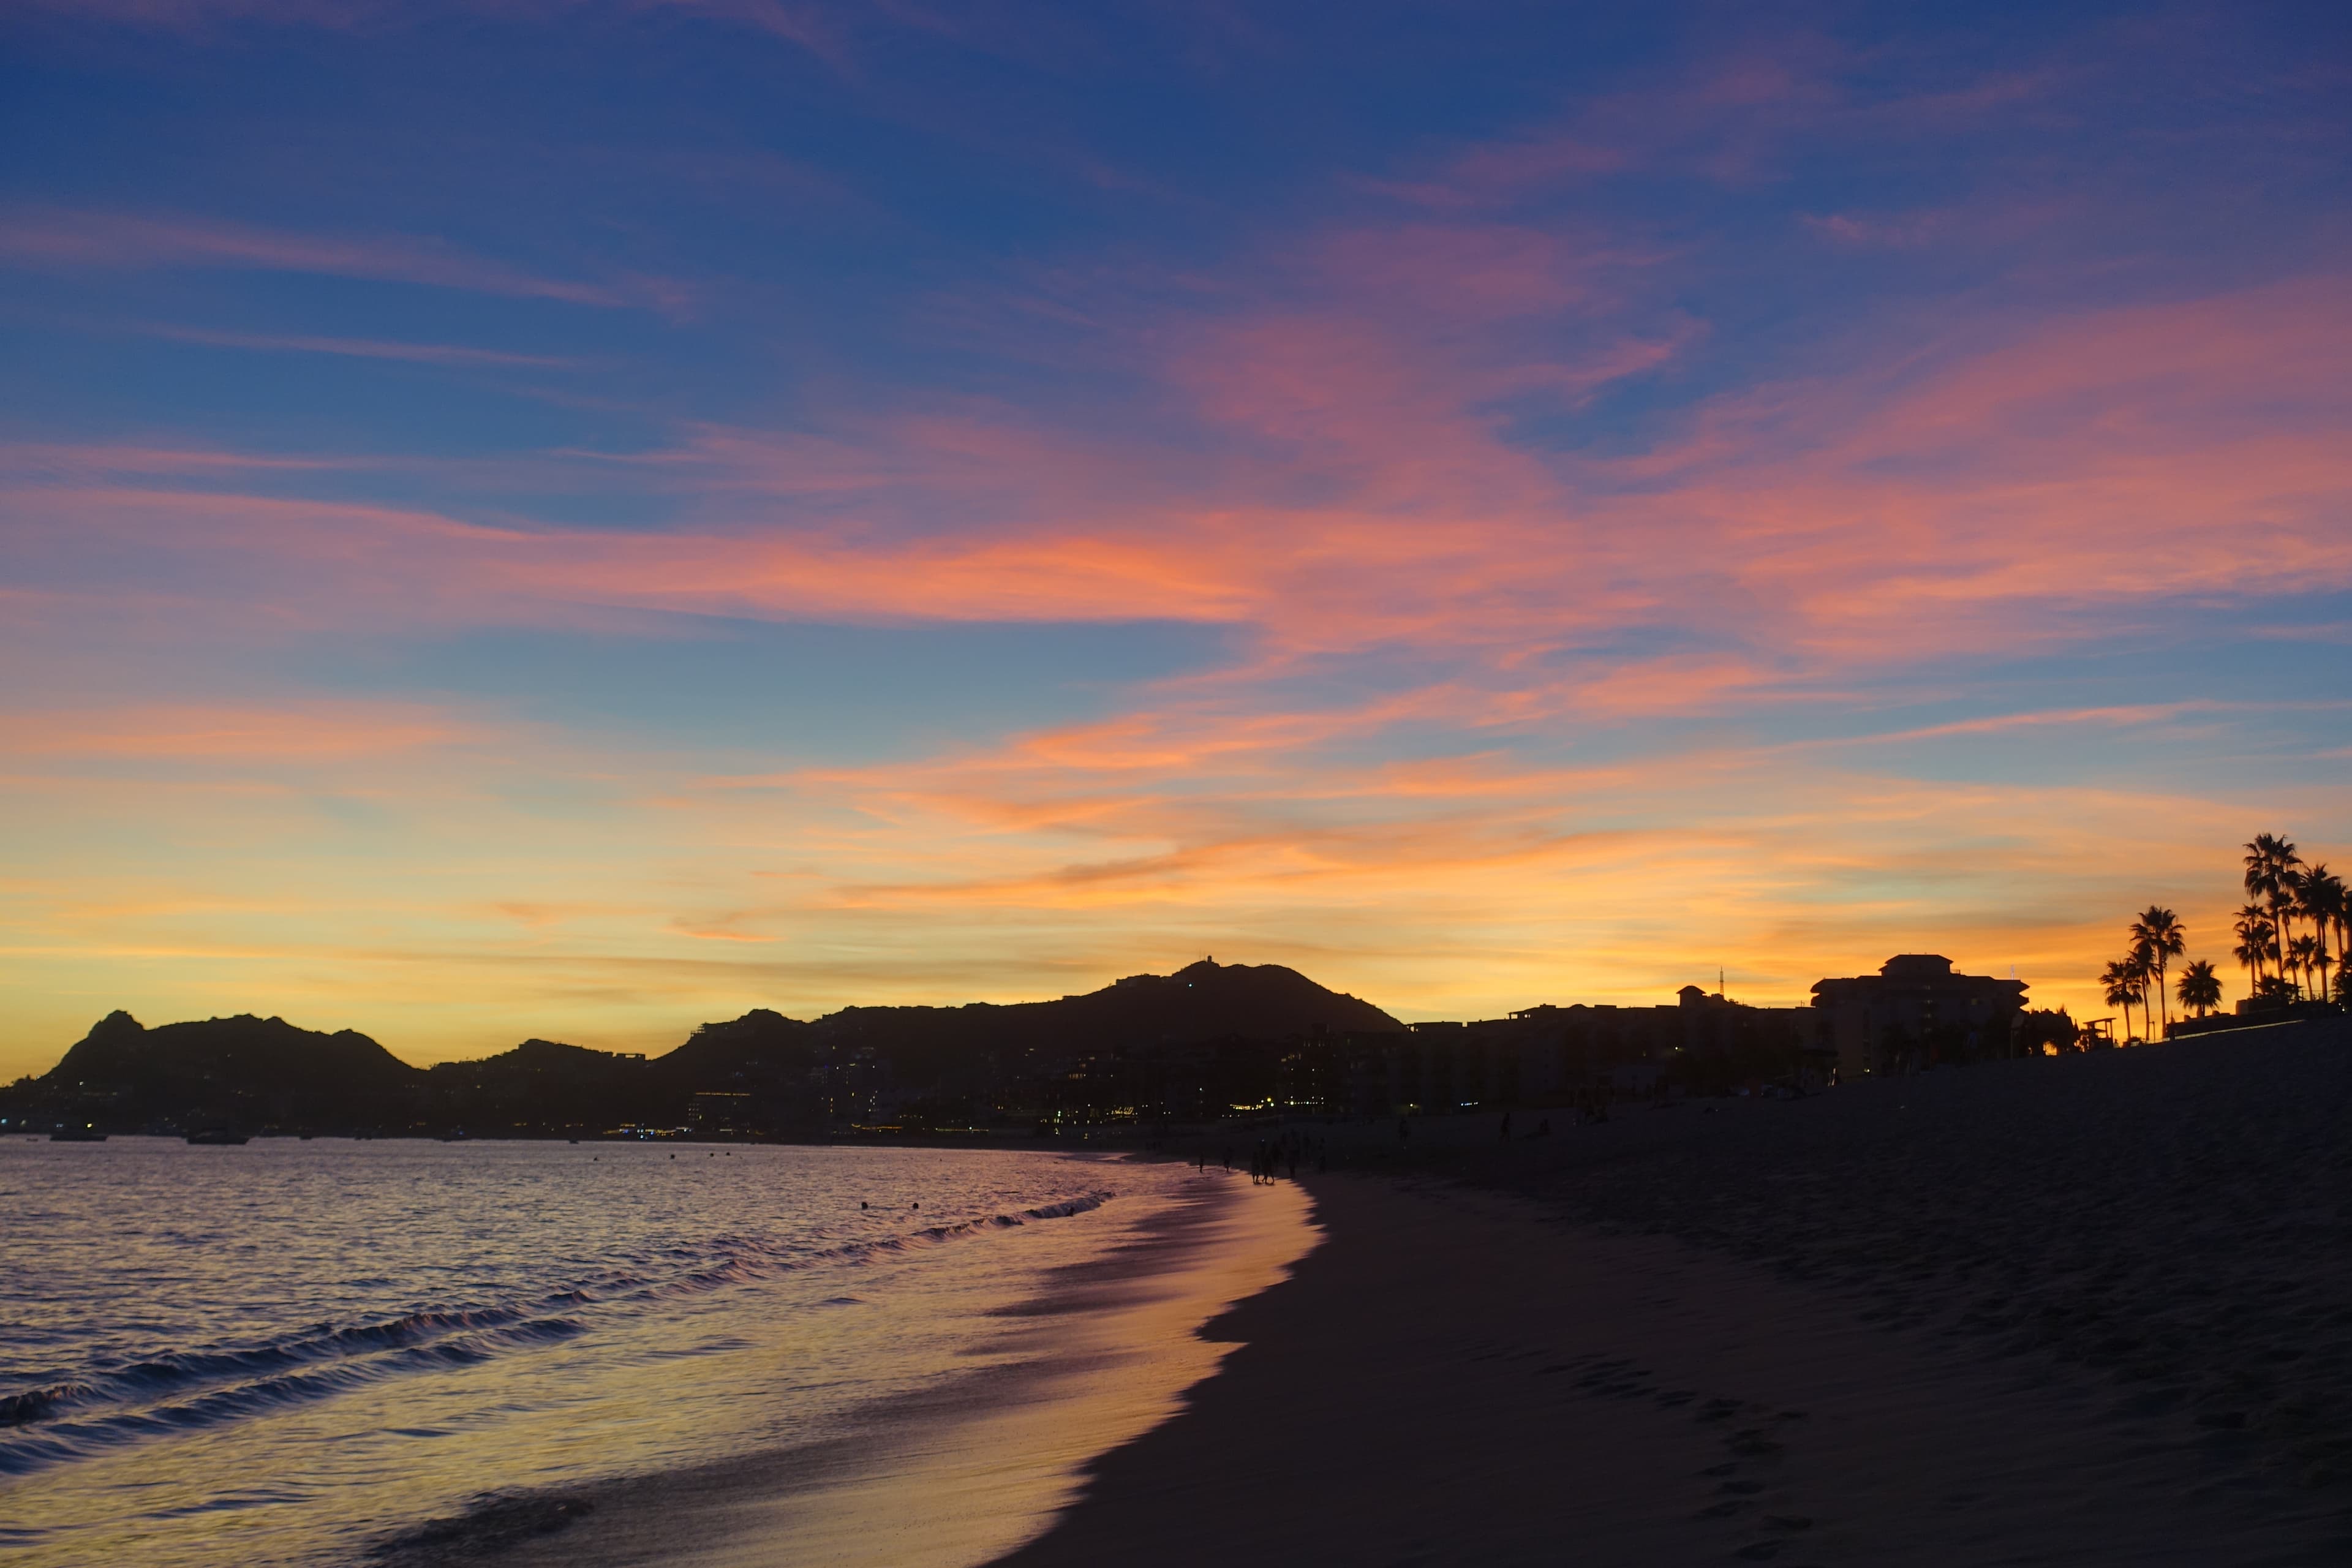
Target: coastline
x=1507, y=1356
x=955, y=1475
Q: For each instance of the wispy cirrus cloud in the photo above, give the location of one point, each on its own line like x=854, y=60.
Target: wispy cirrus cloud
x=822, y=30
x=308, y=731
x=65, y=239
x=452, y=354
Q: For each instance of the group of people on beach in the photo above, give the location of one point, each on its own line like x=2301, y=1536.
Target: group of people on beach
x=1274, y=1157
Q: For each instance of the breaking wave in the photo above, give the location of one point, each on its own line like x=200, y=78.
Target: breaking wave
x=73, y=1414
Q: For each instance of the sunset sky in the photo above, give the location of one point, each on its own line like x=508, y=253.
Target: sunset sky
x=576, y=519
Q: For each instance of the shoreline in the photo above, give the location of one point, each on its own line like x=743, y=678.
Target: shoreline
x=1510, y=1356
x=1100, y=1354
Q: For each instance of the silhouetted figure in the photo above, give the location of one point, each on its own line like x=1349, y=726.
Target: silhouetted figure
x=1404, y=1129
x=1543, y=1127
x=1505, y=1136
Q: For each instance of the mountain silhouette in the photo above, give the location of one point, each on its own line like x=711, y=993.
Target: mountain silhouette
x=242, y=1071
x=1200, y=1003
x=253, y=1072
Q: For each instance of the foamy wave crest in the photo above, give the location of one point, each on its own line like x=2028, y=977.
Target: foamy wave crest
x=136, y=1413
x=73, y=1414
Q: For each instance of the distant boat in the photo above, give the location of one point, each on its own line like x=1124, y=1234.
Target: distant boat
x=77, y=1135
x=217, y=1135
x=456, y=1135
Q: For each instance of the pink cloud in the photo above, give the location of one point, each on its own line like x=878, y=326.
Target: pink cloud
x=2086, y=463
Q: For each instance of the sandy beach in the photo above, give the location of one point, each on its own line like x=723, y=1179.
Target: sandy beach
x=968, y=1466
x=2088, y=1310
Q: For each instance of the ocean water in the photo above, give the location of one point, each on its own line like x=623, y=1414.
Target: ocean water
x=301, y=1353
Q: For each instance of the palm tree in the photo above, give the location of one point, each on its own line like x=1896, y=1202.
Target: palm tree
x=2123, y=988
x=2270, y=864
x=2305, y=952
x=2253, y=942
x=2143, y=967
x=2287, y=908
x=2156, y=936
x=2200, y=988
x=2328, y=907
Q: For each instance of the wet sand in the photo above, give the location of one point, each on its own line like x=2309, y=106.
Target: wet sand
x=2094, y=1311
x=949, y=1476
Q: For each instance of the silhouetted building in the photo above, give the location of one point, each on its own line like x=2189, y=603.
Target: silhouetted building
x=719, y=1110
x=1701, y=1043
x=1915, y=1012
